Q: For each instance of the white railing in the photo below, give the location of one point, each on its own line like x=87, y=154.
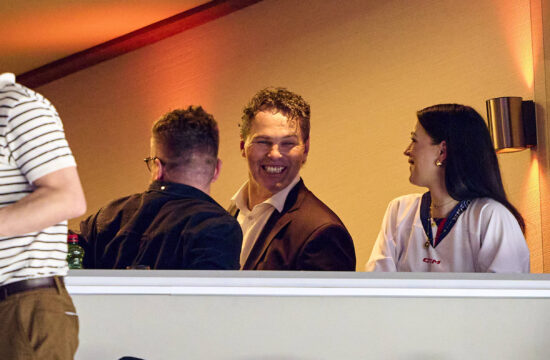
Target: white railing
x=257, y=283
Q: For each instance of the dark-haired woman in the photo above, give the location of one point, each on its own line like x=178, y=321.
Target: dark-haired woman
x=464, y=223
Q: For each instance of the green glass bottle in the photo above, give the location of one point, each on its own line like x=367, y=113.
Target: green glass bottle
x=75, y=252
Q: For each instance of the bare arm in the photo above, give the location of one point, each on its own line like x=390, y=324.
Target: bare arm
x=58, y=196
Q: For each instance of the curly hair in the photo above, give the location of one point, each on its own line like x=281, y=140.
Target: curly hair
x=290, y=104
x=185, y=132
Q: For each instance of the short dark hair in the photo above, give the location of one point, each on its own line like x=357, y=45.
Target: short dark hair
x=185, y=132
x=471, y=165
x=279, y=99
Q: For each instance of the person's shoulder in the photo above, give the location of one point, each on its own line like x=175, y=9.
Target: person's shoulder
x=408, y=199
x=313, y=220
x=205, y=216
x=13, y=93
x=119, y=204
x=316, y=211
x=8, y=84
x=213, y=208
x=20, y=100
x=199, y=201
x=490, y=207
x=199, y=208
x=311, y=200
x=18, y=92
x=405, y=202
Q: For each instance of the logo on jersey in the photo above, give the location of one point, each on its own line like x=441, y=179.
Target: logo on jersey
x=431, y=261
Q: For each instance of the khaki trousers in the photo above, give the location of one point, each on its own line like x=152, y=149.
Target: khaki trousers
x=38, y=324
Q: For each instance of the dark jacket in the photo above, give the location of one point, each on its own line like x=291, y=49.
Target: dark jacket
x=169, y=226
x=307, y=235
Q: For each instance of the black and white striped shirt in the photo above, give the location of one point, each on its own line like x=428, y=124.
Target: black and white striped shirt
x=32, y=144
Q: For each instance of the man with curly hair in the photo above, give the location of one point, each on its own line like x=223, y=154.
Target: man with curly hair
x=285, y=226
x=175, y=224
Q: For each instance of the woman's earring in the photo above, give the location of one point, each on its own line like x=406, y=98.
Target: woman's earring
x=438, y=163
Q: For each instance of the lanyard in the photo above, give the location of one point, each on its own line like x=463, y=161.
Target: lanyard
x=445, y=226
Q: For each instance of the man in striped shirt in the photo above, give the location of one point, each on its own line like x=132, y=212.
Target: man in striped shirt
x=39, y=191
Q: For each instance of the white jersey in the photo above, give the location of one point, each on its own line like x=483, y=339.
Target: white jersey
x=485, y=238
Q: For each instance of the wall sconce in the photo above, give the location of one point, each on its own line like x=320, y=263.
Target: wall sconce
x=511, y=123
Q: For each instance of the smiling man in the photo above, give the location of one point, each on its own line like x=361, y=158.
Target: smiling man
x=285, y=226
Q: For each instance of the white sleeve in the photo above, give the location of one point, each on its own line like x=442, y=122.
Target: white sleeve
x=384, y=253
x=503, y=247
x=35, y=138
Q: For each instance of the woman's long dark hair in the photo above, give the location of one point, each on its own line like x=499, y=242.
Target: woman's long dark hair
x=471, y=166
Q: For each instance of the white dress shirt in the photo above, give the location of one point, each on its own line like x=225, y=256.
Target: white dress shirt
x=253, y=221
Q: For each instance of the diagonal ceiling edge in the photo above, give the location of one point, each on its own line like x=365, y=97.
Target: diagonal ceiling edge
x=134, y=40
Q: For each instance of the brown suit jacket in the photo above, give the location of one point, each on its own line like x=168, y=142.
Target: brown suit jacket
x=306, y=235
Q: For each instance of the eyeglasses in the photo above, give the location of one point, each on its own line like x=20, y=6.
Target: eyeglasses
x=150, y=160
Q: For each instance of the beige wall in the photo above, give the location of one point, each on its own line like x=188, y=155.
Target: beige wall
x=365, y=67
x=540, y=14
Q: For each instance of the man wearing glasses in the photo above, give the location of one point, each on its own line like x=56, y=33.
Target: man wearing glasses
x=174, y=224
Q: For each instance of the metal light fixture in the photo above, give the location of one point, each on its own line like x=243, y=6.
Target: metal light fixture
x=511, y=123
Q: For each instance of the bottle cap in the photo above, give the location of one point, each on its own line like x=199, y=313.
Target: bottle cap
x=72, y=238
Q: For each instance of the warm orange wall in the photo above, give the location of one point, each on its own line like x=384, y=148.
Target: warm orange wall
x=540, y=14
x=54, y=29
x=365, y=67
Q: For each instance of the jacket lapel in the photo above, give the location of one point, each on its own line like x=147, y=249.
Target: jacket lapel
x=274, y=224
